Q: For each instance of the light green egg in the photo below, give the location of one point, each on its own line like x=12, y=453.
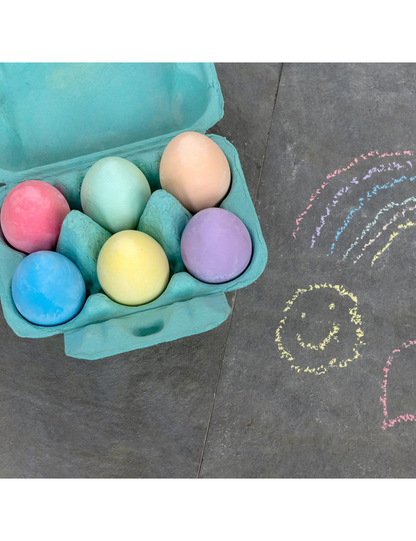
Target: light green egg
x=114, y=193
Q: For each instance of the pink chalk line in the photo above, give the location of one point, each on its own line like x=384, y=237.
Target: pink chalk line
x=315, y=196
x=388, y=423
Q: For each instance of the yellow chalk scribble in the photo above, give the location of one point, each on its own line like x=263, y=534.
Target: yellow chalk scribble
x=395, y=234
x=332, y=334
x=383, y=229
x=355, y=319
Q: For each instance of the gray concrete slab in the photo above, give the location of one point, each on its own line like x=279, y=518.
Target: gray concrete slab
x=249, y=95
x=271, y=420
x=140, y=414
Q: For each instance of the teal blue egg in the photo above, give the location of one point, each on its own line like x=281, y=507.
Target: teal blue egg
x=114, y=193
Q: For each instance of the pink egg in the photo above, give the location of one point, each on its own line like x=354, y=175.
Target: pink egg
x=31, y=216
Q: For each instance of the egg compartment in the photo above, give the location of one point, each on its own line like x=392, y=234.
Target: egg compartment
x=186, y=307
x=81, y=240
x=164, y=219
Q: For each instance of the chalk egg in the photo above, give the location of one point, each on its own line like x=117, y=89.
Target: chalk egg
x=48, y=289
x=132, y=268
x=31, y=216
x=216, y=246
x=114, y=193
x=195, y=170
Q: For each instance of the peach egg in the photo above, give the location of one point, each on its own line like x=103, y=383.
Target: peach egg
x=195, y=170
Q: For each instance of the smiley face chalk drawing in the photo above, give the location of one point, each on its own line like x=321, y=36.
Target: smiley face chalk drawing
x=320, y=323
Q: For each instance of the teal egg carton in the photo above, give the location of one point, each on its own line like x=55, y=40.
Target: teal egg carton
x=56, y=121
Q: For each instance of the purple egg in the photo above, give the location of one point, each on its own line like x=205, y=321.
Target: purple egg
x=216, y=246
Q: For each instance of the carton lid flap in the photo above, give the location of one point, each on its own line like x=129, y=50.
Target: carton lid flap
x=54, y=112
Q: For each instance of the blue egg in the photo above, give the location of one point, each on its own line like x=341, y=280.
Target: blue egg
x=48, y=289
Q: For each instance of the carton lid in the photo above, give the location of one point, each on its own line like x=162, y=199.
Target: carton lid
x=54, y=112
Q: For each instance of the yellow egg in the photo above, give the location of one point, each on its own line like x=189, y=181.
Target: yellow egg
x=195, y=170
x=132, y=268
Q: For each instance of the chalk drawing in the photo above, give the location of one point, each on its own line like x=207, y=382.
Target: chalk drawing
x=371, y=154
x=315, y=196
x=393, y=236
x=371, y=224
x=389, y=423
x=383, y=229
x=333, y=334
x=362, y=201
x=383, y=168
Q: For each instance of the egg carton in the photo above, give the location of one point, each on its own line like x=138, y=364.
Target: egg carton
x=187, y=306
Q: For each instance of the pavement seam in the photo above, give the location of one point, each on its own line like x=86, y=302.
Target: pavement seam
x=256, y=193
x=235, y=296
x=211, y=411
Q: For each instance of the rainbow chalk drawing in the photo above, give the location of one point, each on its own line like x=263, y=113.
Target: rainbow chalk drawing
x=381, y=169
x=362, y=201
x=393, y=236
x=389, y=423
x=333, y=334
x=387, y=163
x=383, y=229
x=370, y=225
x=363, y=157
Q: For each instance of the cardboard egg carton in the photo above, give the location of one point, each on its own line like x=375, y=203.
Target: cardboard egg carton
x=145, y=106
